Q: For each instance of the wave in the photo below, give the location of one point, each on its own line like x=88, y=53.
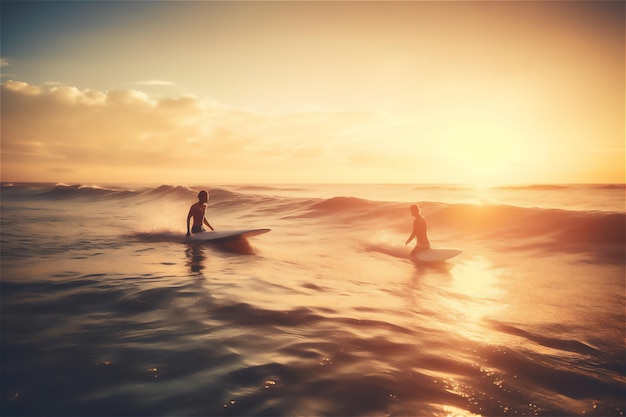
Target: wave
x=176, y=191
x=559, y=187
x=483, y=221
x=502, y=221
x=539, y=187
x=520, y=222
x=342, y=204
x=61, y=191
x=97, y=193
x=553, y=230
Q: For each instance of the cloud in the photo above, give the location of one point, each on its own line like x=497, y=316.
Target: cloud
x=54, y=83
x=85, y=126
x=21, y=87
x=4, y=63
x=155, y=83
x=117, y=132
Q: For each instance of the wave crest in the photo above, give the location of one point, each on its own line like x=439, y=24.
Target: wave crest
x=468, y=221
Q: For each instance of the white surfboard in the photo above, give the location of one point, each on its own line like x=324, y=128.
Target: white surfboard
x=435, y=255
x=226, y=234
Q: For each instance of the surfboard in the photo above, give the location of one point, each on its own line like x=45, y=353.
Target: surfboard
x=216, y=235
x=435, y=255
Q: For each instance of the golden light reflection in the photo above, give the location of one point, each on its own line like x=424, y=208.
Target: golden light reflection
x=457, y=412
x=476, y=278
x=476, y=295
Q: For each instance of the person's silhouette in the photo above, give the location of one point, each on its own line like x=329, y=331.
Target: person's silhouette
x=197, y=211
x=419, y=231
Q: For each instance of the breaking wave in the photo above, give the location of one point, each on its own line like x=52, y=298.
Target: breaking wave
x=484, y=221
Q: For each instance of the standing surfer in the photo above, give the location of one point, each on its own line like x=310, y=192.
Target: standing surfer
x=197, y=211
x=419, y=231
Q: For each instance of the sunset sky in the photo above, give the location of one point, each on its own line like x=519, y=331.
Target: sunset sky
x=275, y=92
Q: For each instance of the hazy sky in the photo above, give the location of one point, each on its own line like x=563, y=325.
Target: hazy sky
x=219, y=92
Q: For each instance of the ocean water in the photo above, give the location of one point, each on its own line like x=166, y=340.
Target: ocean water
x=107, y=310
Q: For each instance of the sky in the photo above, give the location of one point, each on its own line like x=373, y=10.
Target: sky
x=190, y=92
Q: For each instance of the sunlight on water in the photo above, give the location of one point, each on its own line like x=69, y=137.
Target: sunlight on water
x=457, y=412
x=477, y=278
x=476, y=295
x=325, y=315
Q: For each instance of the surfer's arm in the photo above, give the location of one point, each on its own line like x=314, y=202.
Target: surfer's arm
x=413, y=233
x=188, y=218
x=205, y=222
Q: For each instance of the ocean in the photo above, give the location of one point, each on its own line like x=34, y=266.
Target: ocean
x=108, y=310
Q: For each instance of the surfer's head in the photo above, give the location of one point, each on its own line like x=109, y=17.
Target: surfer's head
x=203, y=196
x=415, y=210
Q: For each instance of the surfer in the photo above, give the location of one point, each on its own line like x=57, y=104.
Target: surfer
x=419, y=231
x=197, y=211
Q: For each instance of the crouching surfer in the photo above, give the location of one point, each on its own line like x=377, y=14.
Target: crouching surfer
x=419, y=231
x=197, y=212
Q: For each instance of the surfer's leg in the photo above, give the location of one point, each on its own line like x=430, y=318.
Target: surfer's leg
x=419, y=248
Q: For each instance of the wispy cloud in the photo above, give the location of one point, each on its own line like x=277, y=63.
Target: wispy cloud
x=54, y=83
x=5, y=63
x=156, y=83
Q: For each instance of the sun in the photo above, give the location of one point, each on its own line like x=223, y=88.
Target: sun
x=487, y=161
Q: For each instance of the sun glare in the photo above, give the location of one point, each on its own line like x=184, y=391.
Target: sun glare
x=486, y=162
x=477, y=282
